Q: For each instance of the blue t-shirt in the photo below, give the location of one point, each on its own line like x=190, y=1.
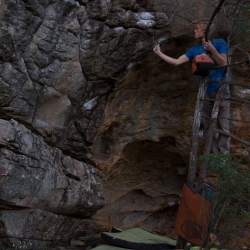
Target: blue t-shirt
x=221, y=47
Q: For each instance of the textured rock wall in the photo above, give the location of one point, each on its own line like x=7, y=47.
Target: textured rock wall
x=82, y=90
x=45, y=195
x=144, y=144
x=59, y=62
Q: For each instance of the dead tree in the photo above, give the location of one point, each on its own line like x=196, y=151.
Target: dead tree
x=181, y=242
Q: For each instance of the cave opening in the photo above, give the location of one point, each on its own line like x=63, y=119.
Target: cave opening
x=143, y=187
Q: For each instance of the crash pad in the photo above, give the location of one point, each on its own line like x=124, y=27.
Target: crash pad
x=193, y=216
x=137, y=238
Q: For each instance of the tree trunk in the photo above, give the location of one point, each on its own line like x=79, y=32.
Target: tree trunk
x=210, y=134
x=181, y=243
x=195, y=134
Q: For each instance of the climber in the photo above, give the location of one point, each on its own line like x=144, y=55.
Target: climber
x=218, y=50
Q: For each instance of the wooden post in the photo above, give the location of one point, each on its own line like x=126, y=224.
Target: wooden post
x=181, y=242
x=195, y=132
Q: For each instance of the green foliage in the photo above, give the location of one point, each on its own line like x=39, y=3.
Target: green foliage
x=231, y=202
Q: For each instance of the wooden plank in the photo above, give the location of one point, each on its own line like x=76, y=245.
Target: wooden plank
x=137, y=238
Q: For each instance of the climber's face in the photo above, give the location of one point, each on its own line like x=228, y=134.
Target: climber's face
x=198, y=32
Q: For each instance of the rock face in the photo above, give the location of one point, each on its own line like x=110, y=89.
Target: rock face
x=45, y=195
x=94, y=128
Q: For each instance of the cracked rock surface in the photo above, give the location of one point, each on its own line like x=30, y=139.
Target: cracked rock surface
x=45, y=195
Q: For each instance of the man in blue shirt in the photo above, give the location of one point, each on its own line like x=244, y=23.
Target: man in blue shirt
x=218, y=50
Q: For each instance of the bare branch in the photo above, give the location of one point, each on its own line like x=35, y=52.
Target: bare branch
x=239, y=100
x=234, y=99
x=209, y=2
x=231, y=83
x=232, y=64
x=175, y=13
x=233, y=137
x=234, y=120
x=217, y=9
